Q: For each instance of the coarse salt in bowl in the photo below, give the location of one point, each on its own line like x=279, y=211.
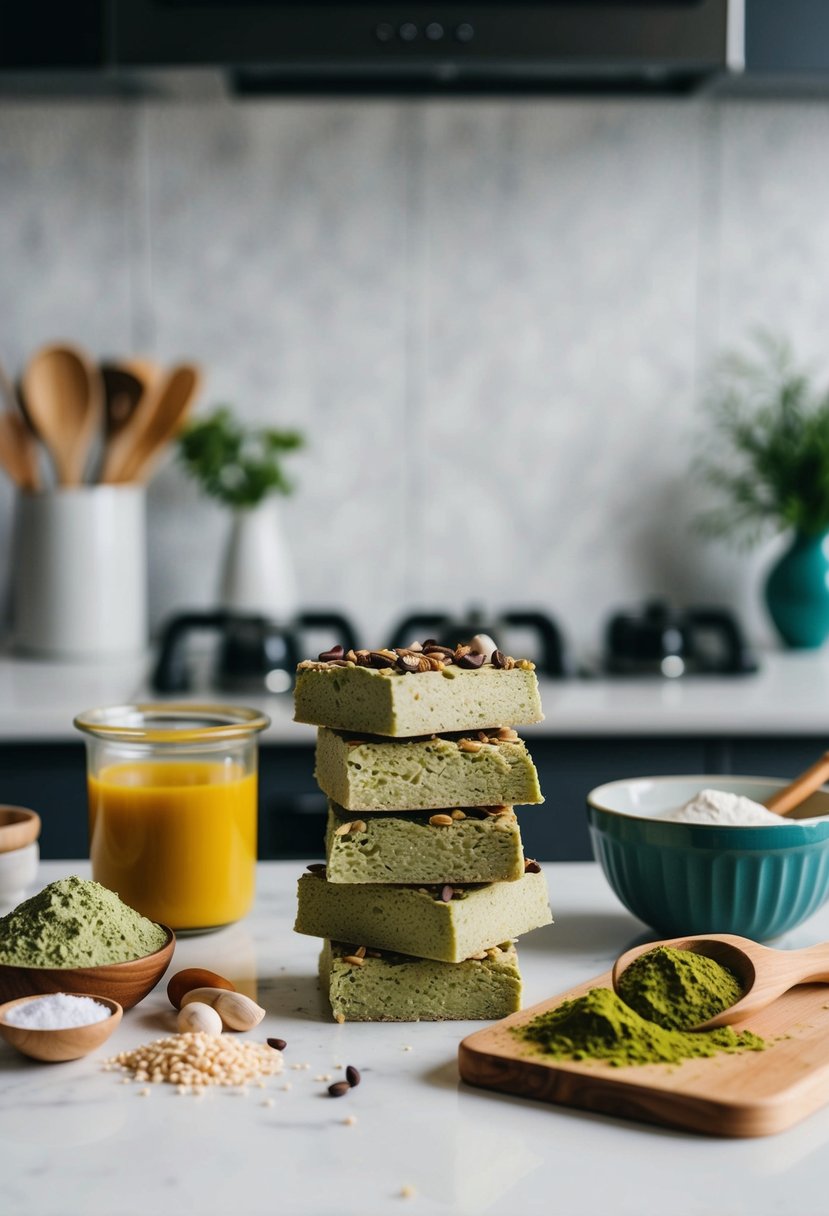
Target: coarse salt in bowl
x=684, y=878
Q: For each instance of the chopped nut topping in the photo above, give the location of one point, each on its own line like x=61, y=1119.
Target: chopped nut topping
x=410, y=662
x=339, y=1017
x=353, y=959
x=458, y=814
x=479, y=957
x=471, y=660
x=470, y=745
x=343, y=829
x=431, y=655
x=507, y=735
x=360, y=952
x=447, y=893
x=441, y=821
x=359, y=825
x=327, y=656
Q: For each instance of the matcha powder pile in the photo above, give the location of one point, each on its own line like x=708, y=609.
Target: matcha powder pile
x=662, y=994
x=76, y=923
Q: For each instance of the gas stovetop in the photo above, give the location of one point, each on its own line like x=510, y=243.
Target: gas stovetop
x=247, y=653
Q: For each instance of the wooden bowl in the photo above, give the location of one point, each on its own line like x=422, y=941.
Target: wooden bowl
x=53, y=1045
x=18, y=827
x=126, y=983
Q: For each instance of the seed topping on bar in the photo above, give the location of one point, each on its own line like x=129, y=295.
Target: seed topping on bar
x=418, y=657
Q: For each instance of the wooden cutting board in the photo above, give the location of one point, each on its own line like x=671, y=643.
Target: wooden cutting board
x=747, y=1094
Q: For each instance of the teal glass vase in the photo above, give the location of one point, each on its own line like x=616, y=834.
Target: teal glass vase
x=797, y=591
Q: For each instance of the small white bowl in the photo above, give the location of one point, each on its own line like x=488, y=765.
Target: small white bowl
x=18, y=871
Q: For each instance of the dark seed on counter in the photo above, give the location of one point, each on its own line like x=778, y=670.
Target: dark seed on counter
x=447, y=893
x=339, y=1088
x=352, y=1076
x=316, y=867
x=277, y=1044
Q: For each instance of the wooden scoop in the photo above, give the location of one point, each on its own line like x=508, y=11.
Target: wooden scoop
x=792, y=795
x=764, y=974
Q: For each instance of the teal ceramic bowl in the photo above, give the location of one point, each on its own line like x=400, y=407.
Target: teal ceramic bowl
x=683, y=878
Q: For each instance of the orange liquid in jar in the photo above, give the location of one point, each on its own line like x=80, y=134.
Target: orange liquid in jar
x=176, y=840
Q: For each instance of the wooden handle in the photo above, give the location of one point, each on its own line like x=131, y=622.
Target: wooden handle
x=798, y=791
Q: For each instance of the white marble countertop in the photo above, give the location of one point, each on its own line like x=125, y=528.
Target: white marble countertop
x=788, y=696
x=74, y=1141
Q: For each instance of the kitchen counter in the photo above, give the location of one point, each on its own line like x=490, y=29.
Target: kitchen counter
x=74, y=1141
x=788, y=696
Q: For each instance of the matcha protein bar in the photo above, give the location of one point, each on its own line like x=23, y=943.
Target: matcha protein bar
x=375, y=986
x=445, y=923
x=485, y=768
x=452, y=846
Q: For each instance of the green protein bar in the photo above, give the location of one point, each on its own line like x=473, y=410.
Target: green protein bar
x=419, y=920
x=375, y=774
x=402, y=704
x=408, y=848
x=388, y=987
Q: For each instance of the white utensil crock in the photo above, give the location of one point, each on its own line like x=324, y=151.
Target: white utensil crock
x=79, y=581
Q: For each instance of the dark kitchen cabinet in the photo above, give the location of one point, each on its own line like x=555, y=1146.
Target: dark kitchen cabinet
x=51, y=779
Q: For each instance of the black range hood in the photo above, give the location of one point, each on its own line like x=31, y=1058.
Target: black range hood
x=317, y=46
x=390, y=46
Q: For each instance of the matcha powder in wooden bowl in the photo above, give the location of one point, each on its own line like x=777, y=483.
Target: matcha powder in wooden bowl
x=76, y=923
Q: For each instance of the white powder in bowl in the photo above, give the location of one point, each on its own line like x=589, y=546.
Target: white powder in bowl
x=728, y=810
x=58, y=1011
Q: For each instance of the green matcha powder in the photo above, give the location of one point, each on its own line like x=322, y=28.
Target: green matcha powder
x=663, y=992
x=76, y=923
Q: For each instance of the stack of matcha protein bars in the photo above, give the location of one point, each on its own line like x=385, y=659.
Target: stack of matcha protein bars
x=425, y=884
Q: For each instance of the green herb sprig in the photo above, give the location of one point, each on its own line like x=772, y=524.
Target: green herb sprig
x=768, y=456
x=235, y=464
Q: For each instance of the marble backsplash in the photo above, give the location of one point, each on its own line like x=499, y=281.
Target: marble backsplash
x=493, y=319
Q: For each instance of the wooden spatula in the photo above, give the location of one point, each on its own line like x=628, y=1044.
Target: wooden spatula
x=792, y=795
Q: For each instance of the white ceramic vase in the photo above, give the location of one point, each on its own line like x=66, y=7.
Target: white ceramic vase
x=258, y=571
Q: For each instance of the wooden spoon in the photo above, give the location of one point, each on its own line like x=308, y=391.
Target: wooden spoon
x=64, y=402
x=792, y=795
x=18, y=451
x=134, y=450
x=122, y=393
x=764, y=974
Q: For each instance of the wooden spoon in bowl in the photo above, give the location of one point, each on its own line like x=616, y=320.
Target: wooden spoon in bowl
x=792, y=795
x=764, y=974
x=64, y=403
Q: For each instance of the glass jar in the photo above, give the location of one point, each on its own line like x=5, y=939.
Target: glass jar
x=173, y=809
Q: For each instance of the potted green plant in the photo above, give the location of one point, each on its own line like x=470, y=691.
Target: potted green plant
x=767, y=460
x=242, y=468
